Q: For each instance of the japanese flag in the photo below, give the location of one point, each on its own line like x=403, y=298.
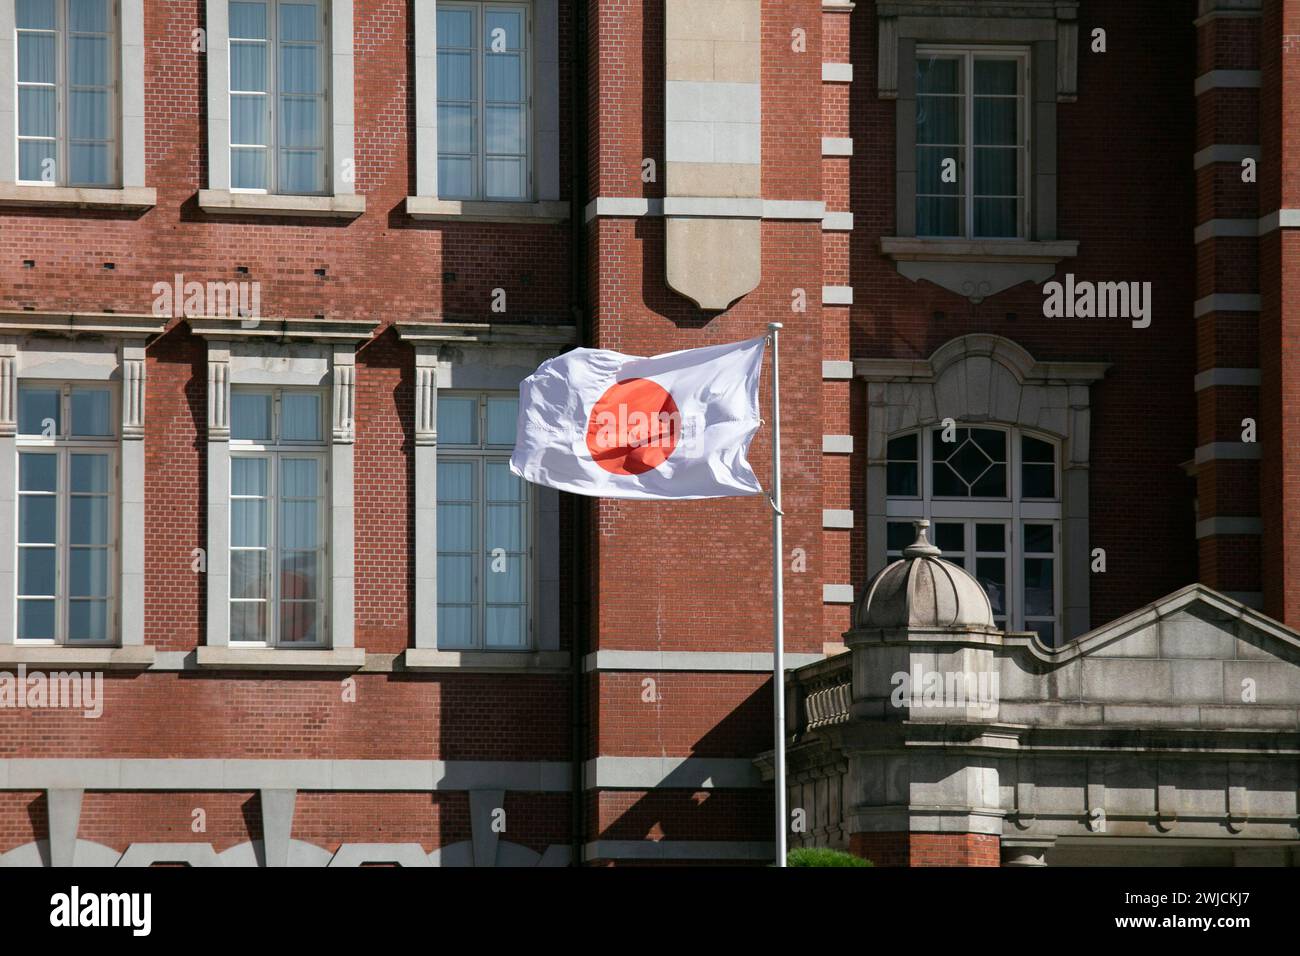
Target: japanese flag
x=678, y=425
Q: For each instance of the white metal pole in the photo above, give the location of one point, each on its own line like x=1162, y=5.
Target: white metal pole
x=778, y=601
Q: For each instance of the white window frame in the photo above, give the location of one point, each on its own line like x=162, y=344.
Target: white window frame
x=64, y=446
x=62, y=87
x=480, y=455
x=479, y=8
x=275, y=452
x=271, y=113
x=966, y=178
x=1013, y=511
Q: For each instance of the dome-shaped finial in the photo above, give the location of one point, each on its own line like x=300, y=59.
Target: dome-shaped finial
x=921, y=547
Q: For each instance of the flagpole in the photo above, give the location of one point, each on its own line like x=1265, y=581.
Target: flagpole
x=778, y=601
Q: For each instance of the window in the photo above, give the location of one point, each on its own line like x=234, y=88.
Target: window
x=484, y=526
x=278, y=99
x=278, y=515
x=67, y=58
x=993, y=498
x=483, y=101
x=972, y=136
x=67, y=492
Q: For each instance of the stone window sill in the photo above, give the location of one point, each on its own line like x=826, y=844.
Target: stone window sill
x=280, y=658
x=135, y=657
x=454, y=210
x=225, y=202
x=132, y=198
x=428, y=659
x=977, y=268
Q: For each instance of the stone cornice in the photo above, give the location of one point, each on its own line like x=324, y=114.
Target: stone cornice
x=81, y=323
x=288, y=330
x=483, y=333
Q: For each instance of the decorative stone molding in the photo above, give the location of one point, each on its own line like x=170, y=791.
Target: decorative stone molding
x=977, y=269
x=133, y=375
x=8, y=388
x=218, y=393
x=987, y=378
x=344, y=367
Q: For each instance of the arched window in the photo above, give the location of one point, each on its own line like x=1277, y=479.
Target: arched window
x=993, y=497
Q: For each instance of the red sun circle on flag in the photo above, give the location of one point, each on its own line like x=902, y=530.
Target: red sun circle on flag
x=633, y=427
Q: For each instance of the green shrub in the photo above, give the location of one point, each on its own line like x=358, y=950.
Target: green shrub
x=820, y=856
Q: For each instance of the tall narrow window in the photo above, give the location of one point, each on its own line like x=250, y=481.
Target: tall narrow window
x=278, y=517
x=993, y=498
x=972, y=140
x=67, y=532
x=67, y=92
x=483, y=101
x=484, y=512
x=279, y=77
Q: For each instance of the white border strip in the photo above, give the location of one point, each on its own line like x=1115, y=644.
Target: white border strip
x=704, y=661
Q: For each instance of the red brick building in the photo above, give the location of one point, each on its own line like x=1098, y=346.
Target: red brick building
x=272, y=270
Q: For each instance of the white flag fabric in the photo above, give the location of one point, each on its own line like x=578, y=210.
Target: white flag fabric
x=678, y=425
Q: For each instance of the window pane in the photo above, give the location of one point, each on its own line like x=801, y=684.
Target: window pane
x=248, y=523
x=250, y=416
x=939, y=123
x=990, y=537
x=1038, y=481
x=299, y=478
x=997, y=218
x=36, y=111
x=89, y=164
x=89, y=473
x=301, y=171
x=298, y=524
x=502, y=30
x=37, y=472
x=88, y=572
x=502, y=484
x=992, y=484
x=455, y=626
x=91, y=409
x=455, y=75
x=300, y=576
x=36, y=160
x=503, y=78
x=936, y=74
x=505, y=527
x=39, y=411
x=248, y=121
x=87, y=620
x=455, y=480
x=248, y=574
x=502, y=416
x=455, y=27
x=901, y=480
x=991, y=441
x=503, y=179
x=248, y=476
x=88, y=114
x=1039, y=585
x=505, y=578
x=950, y=537
x=996, y=77
x=898, y=535
x=992, y=576
x=35, y=14
x=505, y=627
x=300, y=419
x=36, y=60
x=298, y=21
x=36, y=620
x=938, y=216
x=88, y=61
x=248, y=168
x=903, y=448
x=996, y=171
x=88, y=520
x=300, y=69
x=1039, y=539
x=248, y=621
x=930, y=169
x=248, y=67
x=455, y=129
x=457, y=421
x=301, y=122
x=1035, y=449
x=298, y=621
x=455, y=527
x=36, y=521
x=248, y=20
x=455, y=177
x=996, y=123
x=455, y=578
x=36, y=571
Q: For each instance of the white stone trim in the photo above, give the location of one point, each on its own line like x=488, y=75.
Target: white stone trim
x=837, y=444
x=837, y=72
x=1226, y=80
x=1226, y=229
x=342, y=173
x=455, y=210
x=33, y=656
x=837, y=146
x=280, y=658
x=1227, y=451
x=837, y=222
x=1228, y=524
x=794, y=209
x=757, y=662
x=837, y=518
x=729, y=207
x=225, y=202
x=837, y=369
x=837, y=593
x=650, y=773
x=486, y=662
x=1226, y=302
x=837, y=295
x=1224, y=153
x=78, y=197
x=1279, y=219
x=1241, y=377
